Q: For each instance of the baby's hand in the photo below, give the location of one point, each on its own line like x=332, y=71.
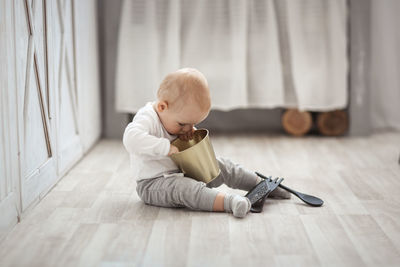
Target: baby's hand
x=172, y=150
x=187, y=136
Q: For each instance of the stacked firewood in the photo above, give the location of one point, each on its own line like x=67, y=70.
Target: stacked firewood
x=299, y=123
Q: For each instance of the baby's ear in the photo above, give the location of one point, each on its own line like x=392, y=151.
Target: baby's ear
x=162, y=105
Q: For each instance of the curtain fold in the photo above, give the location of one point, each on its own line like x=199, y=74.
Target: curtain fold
x=271, y=53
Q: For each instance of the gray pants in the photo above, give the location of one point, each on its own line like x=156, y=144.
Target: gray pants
x=175, y=190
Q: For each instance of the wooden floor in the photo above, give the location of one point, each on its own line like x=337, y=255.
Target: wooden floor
x=93, y=216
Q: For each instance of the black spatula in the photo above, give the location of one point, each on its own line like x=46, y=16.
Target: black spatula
x=308, y=199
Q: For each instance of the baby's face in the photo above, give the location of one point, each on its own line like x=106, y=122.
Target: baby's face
x=181, y=122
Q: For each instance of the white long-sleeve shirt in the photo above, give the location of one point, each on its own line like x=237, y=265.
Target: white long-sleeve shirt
x=148, y=144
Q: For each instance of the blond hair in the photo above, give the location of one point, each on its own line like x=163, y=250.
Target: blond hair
x=185, y=86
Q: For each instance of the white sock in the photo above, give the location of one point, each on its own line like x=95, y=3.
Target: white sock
x=236, y=204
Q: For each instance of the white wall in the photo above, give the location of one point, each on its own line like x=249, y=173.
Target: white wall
x=88, y=80
x=49, y=97
x=385, y=64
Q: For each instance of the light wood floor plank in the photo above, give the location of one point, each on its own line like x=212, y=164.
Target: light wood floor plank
x=370, y=241
x=93, y=216
x=330, y=241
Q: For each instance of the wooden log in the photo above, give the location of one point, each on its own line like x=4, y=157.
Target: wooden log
x=332, y=123
x=296, y=122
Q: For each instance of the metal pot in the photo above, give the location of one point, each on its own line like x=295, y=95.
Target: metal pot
x=196, y=157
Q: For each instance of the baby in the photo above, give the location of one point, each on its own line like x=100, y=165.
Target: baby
x=183, y=100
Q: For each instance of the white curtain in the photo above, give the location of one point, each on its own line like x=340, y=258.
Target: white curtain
x=282, y=53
